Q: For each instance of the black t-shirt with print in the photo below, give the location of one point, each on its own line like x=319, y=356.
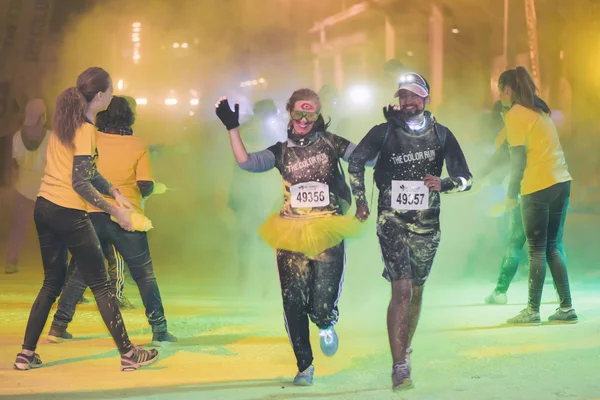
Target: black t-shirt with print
x=314, y=162
x=405, y=155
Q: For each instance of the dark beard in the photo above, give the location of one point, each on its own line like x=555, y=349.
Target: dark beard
x=407, y=115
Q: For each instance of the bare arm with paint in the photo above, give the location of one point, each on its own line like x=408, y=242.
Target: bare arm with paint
x=86, y=182
x=517, y=132
x=231, y=120
x=237, y=146
x=83, y=183
x=254, y=162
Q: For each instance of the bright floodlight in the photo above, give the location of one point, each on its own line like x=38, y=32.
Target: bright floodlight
x=194, y=102
x=141, y=101
x=360, y=95
x=170, y=101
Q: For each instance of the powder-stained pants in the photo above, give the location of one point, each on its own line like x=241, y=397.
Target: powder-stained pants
x=406, y=254
x=310, y=288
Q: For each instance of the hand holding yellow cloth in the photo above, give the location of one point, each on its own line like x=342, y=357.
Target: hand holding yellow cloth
x=139, y=222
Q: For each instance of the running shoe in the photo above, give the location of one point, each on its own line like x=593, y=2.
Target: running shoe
x=401, y=377
x=305, y=378
x=496, y=298
x=138, y=358
x=160, y=339
x=329, y=341
x=25, y=362
x=526, y=317
x=58, y=335
x=564, y=317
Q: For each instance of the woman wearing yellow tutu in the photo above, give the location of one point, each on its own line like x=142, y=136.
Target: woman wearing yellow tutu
x=309, y=231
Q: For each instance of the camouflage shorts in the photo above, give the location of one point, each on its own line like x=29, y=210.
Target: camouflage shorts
x=406, y=254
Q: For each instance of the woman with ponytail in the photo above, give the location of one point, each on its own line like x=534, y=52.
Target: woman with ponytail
x=539, y=174
x=70, y=183
x=125, y=160
x=309, y=231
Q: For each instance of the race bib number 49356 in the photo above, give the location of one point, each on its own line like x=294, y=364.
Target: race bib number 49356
x=310, y=194
x=410, y=195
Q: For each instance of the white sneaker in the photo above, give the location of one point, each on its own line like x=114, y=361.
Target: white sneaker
x=496, y=298
x=329, y=341
x=305, y=378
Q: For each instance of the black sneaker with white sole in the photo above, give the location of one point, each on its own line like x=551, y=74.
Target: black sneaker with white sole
x=564, y=317
x=163, y=339
x=58, y=335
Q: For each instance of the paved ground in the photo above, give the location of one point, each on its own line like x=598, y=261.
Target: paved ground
x=230, y=350
x=238, y=349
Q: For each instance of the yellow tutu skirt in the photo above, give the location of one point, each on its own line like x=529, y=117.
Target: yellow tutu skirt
x=309, y=236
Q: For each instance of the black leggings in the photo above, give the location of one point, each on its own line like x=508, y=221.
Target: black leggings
x=133, y=246
x=310, y=288
x=62, y=230
x=544, y=213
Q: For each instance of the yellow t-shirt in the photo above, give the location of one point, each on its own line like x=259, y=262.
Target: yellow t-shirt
x=123, y=160
x=57, y=185
x=31, y=165
x=546, y=165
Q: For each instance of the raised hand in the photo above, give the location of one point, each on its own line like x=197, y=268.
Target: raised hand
x=229, y=118
x=389, y=110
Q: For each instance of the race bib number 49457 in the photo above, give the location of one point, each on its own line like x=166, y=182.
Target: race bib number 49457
x=310, y=194
x=410, y=195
